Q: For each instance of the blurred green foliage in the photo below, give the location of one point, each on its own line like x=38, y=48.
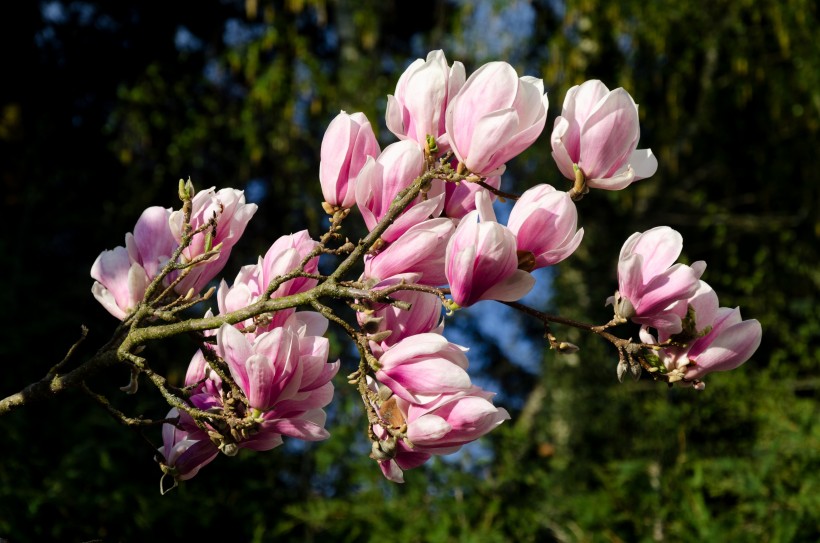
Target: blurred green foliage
x=239, y=94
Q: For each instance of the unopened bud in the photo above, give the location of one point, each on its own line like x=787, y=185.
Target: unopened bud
x=623, y=307
x=636, y=371
x=431, y=144
x=329, y=209
x=568, y=348
x=380, y=336
x=621, y=370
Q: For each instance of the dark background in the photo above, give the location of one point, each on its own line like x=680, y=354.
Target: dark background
x=104, y=106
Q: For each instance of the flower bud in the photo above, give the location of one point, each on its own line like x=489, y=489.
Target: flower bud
x=348, y=141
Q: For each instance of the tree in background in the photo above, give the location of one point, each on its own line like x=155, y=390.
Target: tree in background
x=237, y=96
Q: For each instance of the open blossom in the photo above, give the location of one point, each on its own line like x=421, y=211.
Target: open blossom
x=649, y=282
x=285, y=376
x=232, y=215
x=185, y=448
x=123, y=274
x=598, y=131
x=439, y=427
x=730, y=342
x=481, y=261
x=494, y=117
x=348, y=142
x=424, y=365
x=544, y=222
x=418, y=107
x=284, y=256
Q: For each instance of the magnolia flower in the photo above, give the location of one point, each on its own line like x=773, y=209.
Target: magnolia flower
x=494, y=117
x=730, y=342
x=123, y=274
x=481, y=261
x=232, y=214
x=283, y=257
x=120, y=283
x=648, y=281
x=348, y=142
x=418, y=107
x=186, y=448
x=544, y=222
x=436, y=428
x=419, y=250
x=285, y=376
x=381, y=180
x=424, y=365
x=598, y=131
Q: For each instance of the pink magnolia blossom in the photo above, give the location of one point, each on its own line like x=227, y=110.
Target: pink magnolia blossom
x=419, y=250
x=186, y=448
x=348, y=141
x=424, y=365
x=598, y=131
x=703, y=305
x=649, y=282
x=494, y=117
x=439, y=427
x=730, y=342
x=285, y=376
x=481, y=261
x=381, y=180
x=283, y=257
x=544, y=222
x=120, y=283
x=232, y=214
x=418, y=107
x=152, y=243
x=123, y=274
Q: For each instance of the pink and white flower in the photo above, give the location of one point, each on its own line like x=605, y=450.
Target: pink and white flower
x=232, y=215
x=348, y=142
x=421, y=367
x=381, y=180
x=649, y=282
x=481, y=261
x=419, y=250
x=730, y=342
x=598, y=131
x=494, y=117
x=418, y=107
x=544, y=222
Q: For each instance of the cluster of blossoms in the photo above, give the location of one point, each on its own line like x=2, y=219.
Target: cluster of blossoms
x=696, y=336
x=427, y=202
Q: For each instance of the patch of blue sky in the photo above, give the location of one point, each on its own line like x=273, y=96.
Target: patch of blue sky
x=256, y=190
x=238, y=33
x=494, y=30
x=185, y=41
x=53, y=12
